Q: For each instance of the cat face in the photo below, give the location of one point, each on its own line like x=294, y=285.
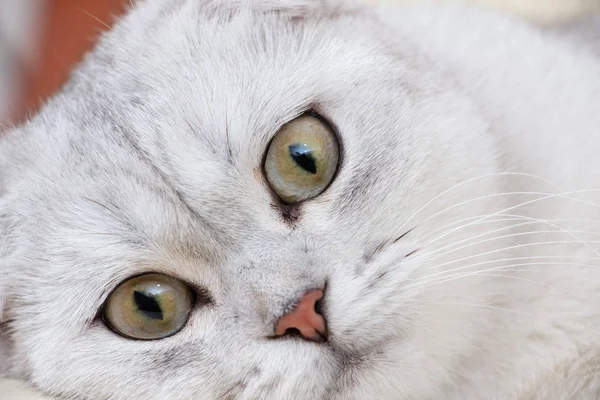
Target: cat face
x=155, y=159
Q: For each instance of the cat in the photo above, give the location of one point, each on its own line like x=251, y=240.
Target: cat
x=296, y=199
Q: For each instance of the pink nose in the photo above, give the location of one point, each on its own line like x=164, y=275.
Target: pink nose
x=304, y=319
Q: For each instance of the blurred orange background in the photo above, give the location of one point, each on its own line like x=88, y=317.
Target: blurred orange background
x=69, y=28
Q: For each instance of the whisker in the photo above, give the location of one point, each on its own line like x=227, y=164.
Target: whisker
x=467, y=181
x=504, y=237
x=543, y=196
x=443, y=276
x=526, y=280
x=547, y=222
x=488, y=221
x=402, y=236
x=506, y=227
x=485, y=306
x=512, y=248
x=93, y=17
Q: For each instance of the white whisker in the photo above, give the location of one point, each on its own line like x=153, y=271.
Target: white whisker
x=526, y=280
x=505, y=227
x=488, y=221
x=543, y=196
x=505, y=237
x=443, y=276
x=519, y=246
x=484, y=306
x=473, y=180
x=506, y=218
x=546, y=222
x=89, y=14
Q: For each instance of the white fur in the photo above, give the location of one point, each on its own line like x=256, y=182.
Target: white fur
x=450, y=119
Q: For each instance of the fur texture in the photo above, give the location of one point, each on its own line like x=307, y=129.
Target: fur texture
x=459, y=241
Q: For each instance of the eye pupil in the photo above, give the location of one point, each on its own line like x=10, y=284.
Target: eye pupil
x=148, y=305
x=303, y=156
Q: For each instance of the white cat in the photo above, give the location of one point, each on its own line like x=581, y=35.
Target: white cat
x=296, y=199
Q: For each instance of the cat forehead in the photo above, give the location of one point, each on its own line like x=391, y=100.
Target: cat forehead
x=197, y=98
x=191, y=84
x=221, y=48
x=228, y=72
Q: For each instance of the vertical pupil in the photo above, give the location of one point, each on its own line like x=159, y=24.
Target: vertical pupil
x=303, y=156
x=148, y=305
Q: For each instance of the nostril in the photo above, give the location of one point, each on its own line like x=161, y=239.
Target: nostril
x=292, y=332
x=318, y=307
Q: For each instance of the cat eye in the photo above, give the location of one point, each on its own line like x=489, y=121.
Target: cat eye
x=149, y=307
x=302, y=159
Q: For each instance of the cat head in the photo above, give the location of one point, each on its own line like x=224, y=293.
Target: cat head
x=168, y=159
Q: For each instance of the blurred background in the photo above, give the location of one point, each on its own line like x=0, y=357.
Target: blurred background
x=41, y=40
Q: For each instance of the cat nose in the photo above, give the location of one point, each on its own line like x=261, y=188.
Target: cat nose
x=305, y=319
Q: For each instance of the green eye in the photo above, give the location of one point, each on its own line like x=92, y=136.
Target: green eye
x=149, y=307
x=302, y=159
